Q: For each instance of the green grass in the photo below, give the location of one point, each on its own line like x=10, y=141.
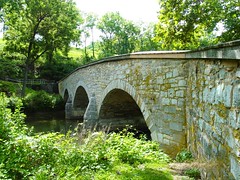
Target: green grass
x=151, y=171
x=75, y=53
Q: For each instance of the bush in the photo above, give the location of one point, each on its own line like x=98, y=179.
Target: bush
x=42, y=101
x=184, y=156
x=193, y=173
x=55, y=156
x=58, y=69
x=10, y=88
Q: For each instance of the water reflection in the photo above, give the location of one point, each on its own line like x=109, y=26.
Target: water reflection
x=51, y=122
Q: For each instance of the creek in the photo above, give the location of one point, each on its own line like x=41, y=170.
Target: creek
x=56, y=122
x=51, y=122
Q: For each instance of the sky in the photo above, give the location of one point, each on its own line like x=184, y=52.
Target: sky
x=135, y=10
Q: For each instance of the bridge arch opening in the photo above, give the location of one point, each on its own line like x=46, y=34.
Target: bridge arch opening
x=81, y=101
x=119, y=109
x=66, y=96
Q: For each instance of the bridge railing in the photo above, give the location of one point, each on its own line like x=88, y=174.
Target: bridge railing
x=31, y=81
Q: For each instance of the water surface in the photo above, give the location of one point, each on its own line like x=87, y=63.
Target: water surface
x=51, y=122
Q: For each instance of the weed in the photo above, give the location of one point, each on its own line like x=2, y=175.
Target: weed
x=184, y=156
x=193, y=173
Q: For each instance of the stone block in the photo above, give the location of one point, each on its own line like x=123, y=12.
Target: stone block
x=230, y=139
x=238, y=73
x=170, y=109
x=176, y=126
x=154, y=136
x=222, y=151
x=227, y=95
x=208, y=129
x=175, y=73
x=201, y=124
x=167, y=117
x=232, y=119
x=216, y=136
x=206, y=94
x=159, y=80
x=182, y=83
x=167, y=131
x=166, y=142
x=165, y=101
x=169, y=75
x=206, y=114
x=206, y=144
x=174, y=101
x=171, y=93
x=181, y=102
x=160, y=137
x=236, y=96
x=180, y=93
x=211, y=97
x=235, y=167
x=219, y=93
x=222, y=74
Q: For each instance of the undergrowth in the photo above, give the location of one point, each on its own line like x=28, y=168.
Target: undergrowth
x=24, y=155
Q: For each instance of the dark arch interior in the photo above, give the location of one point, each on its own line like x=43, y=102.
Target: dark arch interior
x=66, y=96
x=120, y=109
x=81, y=99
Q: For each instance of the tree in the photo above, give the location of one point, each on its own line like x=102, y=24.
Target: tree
x=39, y=28
x=184, y=24
x=89, y=24
x=118, y=35
x=146, y=38
x=230, y=20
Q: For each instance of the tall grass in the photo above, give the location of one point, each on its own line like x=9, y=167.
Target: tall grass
x=24, y=155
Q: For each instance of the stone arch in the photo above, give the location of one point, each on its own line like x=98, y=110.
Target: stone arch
x=81, y=99
x=121, y=102
x=66, y=96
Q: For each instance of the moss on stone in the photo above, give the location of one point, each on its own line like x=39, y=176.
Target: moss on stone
x=222, y=110
x=165, y=87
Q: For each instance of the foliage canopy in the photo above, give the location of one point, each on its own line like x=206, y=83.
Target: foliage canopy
x=119, y=35
x=38, y=28
x=190, y=24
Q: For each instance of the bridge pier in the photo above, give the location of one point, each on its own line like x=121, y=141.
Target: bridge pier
x=73, y=113
x=90, y=117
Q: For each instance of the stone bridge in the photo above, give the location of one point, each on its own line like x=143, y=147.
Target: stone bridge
x=182, y=98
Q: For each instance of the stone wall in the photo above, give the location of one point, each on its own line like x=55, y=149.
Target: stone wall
x=213, y=113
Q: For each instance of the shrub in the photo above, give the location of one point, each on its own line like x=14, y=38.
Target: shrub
x=10, y=88
x=42, y=101
x=184, y=156
x=193, y=173
x=55, y=156
x=11, y=123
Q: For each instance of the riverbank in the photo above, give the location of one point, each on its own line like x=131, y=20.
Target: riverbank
x=79, y=155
